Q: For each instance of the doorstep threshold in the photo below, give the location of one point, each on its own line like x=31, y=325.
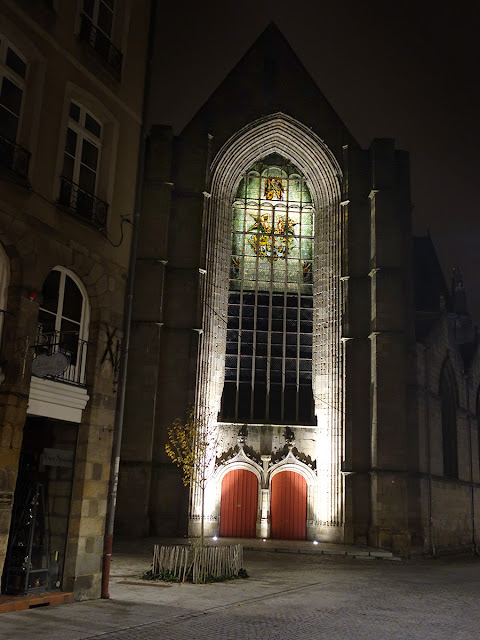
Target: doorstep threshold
x=9, y=603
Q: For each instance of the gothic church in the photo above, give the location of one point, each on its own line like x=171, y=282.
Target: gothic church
x=280, y=291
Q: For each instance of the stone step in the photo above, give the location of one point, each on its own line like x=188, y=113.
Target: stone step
x=10, y=603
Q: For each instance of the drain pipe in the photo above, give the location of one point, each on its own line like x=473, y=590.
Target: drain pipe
x=427, y=419
x=117, y=434
x=469, y=418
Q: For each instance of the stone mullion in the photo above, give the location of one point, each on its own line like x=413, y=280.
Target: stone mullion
x=327, y=369
x=211, y=352
x=207, y=391
x=201, y=393
x=331, y=365
x=331, y=353
x=206, y=352
x=335, y=391
x=338, y=368
x=320, y=366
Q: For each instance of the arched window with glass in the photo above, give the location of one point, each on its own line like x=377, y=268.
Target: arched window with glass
x=63, y=323
x=268, y=361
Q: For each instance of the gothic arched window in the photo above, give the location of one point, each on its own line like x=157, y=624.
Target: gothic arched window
x=448, y=403
x=268, y=362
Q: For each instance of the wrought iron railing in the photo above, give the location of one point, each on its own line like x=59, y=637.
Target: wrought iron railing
x=102, y=44
x=83, y=204
x=69, y=366
x=14, y=157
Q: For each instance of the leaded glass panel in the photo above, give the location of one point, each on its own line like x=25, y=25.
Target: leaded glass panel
x=268, y=366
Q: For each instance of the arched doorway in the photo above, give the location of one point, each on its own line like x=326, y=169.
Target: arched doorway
x=288, y=509
x=238, y=509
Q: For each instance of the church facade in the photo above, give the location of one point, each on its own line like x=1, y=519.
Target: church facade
x=279, y=291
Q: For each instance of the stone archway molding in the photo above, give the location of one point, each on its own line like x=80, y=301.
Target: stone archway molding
x=280, y=133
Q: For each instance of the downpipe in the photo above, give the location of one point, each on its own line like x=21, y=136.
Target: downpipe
x=117, y=435
x=476, y=549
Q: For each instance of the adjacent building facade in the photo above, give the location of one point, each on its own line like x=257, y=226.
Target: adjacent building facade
x=280, y=291
x=71, y=86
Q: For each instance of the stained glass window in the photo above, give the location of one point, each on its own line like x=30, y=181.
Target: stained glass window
x=268, y=362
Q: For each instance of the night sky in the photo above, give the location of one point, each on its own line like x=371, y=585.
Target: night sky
x=403, y=70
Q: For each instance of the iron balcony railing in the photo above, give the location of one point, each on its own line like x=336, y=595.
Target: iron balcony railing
x=70, y=366
x=14, y=157
x=83, y=204
x=102, y=44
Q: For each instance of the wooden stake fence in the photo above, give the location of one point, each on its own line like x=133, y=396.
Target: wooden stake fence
x=199, y=562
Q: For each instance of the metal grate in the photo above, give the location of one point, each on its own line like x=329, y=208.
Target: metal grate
x=83, y=204
x=102, y=44
x=69, y=345
x=14, y=157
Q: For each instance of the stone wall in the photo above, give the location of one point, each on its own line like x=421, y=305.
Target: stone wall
x=38, y=235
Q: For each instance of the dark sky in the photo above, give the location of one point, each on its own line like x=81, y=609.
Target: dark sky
x=405, y=70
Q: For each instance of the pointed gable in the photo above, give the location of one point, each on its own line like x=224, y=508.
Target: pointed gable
x=269, y=79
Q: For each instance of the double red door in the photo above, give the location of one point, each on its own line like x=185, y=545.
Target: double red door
x=288, y=506
x=238, y=508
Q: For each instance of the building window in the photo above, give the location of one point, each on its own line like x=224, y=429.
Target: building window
x=13, y=70
x=100, y=13
x=81, y=161
x=268, y=362
x=63, y=324
x=96, y=29
x=448, y=403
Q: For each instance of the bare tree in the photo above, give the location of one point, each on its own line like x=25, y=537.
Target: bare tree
x=192, y=445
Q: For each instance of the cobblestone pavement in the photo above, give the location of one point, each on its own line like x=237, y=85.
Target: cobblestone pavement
x=286, y=597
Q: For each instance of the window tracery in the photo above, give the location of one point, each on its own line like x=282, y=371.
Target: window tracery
x=268, y=363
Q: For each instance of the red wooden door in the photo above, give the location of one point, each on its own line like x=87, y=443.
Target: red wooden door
x=288, y=506
x=238, y=508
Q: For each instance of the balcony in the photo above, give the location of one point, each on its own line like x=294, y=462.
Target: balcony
x=60, y=356
x=102, y=44
x=14, y=157
x=83, y=204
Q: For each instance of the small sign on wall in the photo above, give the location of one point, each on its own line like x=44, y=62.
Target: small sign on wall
x=50, y=365
x=57, y=458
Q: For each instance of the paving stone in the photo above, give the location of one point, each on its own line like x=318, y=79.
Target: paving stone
x=287, y=597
